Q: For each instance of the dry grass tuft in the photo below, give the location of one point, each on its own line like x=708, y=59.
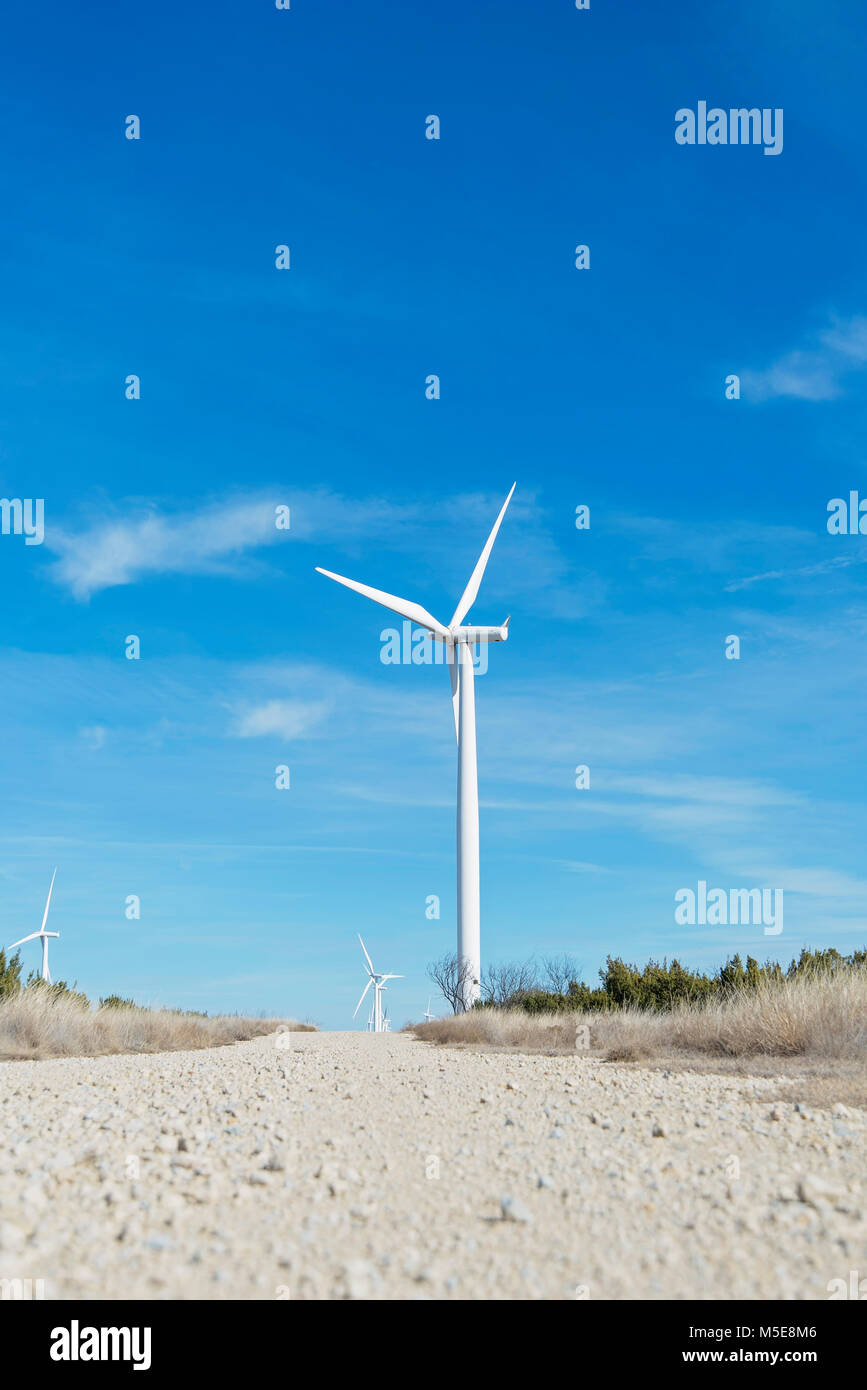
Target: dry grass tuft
x=33, y=1025
x=816, y=1017
x=627, y=1052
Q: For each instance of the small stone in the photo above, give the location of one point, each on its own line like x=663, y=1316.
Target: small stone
x=58, y=1162
x=11, y=1236
x=358, y=1280
x=817, y=1192
x=159, y=1243
x=658, y=1132
x=514, y=1210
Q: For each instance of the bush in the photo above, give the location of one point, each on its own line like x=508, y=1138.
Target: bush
x=818, y=1013
x=58, y=989
x=658, y=987
x=10, y=975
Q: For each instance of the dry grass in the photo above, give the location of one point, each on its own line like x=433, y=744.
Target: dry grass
x=33, y=1025
x=817, y=1018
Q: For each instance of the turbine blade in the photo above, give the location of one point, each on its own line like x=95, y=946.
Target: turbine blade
x=413, y=611
x=452, y=653
x=32, y=937
x=468, y=597
x=366, y=956
x=361, y=1000
x=48, y=900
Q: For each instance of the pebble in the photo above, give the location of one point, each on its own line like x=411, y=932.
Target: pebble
x=514, y=1210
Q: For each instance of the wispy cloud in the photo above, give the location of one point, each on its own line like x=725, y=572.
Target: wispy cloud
x=834, y=562
x=93, y=736
x=288, y=718
x=118, y=550
x=817, y=371
x=227, y=537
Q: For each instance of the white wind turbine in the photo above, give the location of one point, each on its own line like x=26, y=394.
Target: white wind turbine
x=42, y=935
x=378, y=982
x=458, y=640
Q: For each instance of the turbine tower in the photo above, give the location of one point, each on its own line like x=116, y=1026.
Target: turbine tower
x=41, y=935
x=378, y=982
x=458, y=640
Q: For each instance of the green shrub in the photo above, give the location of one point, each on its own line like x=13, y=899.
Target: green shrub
x=58, y=989
x=660, y=987
x=10, y=975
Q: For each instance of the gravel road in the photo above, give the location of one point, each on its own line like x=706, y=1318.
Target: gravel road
x=352, y=1165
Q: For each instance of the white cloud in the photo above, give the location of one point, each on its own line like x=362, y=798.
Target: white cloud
x=834, y=562
x=221, y=537
x=813, y=373
x=93, y=736
x=288, y=718
x=848, y=338
x=117, y=551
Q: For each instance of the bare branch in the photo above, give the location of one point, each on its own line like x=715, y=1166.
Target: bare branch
x=451, y=977
x=560, y=973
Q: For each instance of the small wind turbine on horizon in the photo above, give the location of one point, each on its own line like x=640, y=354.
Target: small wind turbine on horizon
x=458, y=640
x=428, y=1016
x=378, y=982
x=41, y=935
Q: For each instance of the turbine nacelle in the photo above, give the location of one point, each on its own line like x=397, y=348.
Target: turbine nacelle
x=481, y=634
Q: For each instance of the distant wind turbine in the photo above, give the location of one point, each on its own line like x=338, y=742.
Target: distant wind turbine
x=458, y=640
x=427, y=1013
x=41, y=935
x=378, y=982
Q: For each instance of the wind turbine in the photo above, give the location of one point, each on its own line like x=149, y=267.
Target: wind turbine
x=428, y=1016
x=378, y=982
x=458, y=640
x=42, y=935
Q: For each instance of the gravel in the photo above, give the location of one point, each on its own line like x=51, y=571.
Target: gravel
x=359, y=1166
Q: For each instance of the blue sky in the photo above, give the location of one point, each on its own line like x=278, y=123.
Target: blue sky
x=305, y=387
